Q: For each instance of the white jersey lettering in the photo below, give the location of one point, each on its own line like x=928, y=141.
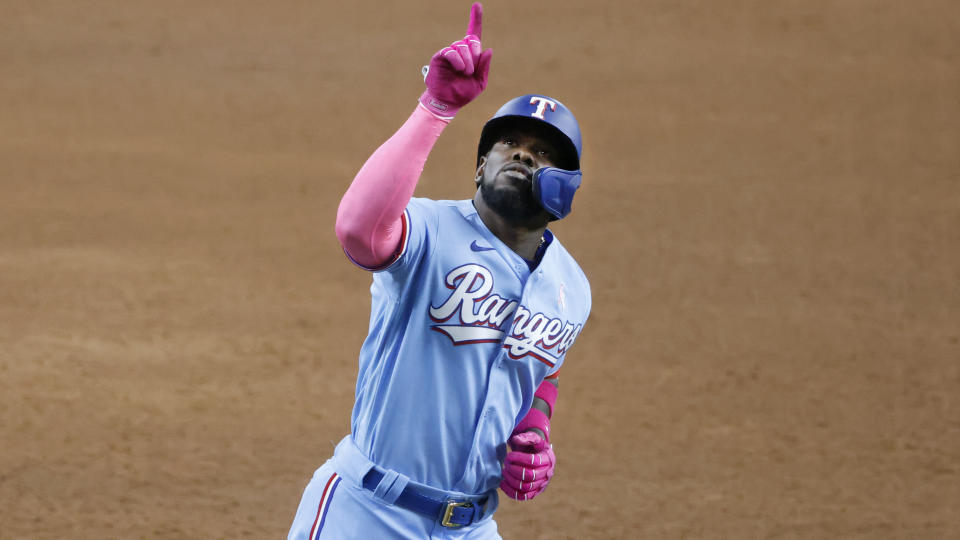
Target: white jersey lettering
x=483, y=316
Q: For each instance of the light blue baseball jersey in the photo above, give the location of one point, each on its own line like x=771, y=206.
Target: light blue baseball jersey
x=462, y=333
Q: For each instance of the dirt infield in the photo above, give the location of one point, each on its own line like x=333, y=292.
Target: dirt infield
x=770, y=220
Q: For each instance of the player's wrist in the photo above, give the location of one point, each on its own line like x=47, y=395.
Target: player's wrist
x=538, y=431
x=437, y=107
x=536, y=421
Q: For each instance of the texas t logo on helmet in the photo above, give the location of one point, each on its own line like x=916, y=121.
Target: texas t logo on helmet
x=553, y=187
x=542, y=103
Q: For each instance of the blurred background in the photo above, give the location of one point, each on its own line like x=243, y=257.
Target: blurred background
x=770, y=220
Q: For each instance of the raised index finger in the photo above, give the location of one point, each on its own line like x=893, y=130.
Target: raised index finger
x=475, y=26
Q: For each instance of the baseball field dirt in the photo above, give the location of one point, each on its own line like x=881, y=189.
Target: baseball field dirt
x=770, y=220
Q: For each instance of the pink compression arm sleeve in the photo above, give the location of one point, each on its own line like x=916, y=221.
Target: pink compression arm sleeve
x=369, y=223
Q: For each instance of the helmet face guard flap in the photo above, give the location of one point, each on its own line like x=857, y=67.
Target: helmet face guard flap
x=553, y=187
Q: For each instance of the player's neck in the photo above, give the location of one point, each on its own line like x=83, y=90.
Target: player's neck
x=524, y=239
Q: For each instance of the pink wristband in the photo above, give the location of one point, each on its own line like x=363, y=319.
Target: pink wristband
x=534, y=419
x=548, y=392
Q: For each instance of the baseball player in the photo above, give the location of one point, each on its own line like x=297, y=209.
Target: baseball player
x=475, y=304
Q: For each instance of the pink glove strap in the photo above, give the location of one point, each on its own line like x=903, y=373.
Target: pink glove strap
x=440, y=109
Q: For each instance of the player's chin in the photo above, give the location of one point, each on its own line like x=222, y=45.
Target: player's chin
x=512, y=202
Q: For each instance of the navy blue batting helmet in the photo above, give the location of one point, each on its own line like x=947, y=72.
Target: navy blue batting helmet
x=553, y=119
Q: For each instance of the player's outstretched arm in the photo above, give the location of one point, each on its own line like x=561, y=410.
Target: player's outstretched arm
x=368, y=222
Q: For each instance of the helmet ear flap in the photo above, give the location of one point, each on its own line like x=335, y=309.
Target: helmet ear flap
x=554, y=188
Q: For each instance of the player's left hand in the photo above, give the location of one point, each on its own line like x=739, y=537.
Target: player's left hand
x=528, y=467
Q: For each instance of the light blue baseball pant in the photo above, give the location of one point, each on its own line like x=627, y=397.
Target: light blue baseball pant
x=336, y=506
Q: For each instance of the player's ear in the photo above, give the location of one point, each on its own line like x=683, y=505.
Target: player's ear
x=479, y=176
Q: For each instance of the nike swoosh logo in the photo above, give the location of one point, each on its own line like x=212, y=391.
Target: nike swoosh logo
x=476, y=247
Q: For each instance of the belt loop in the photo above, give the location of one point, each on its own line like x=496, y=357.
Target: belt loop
x=391, y=486
x=351, y=462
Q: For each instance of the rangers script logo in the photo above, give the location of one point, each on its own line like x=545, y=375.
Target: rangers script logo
x=482, y=317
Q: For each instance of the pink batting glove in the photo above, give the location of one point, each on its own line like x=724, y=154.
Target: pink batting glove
x=458, y=74
x=529, y=467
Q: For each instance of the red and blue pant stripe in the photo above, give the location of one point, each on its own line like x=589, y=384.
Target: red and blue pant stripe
x=324, y=505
